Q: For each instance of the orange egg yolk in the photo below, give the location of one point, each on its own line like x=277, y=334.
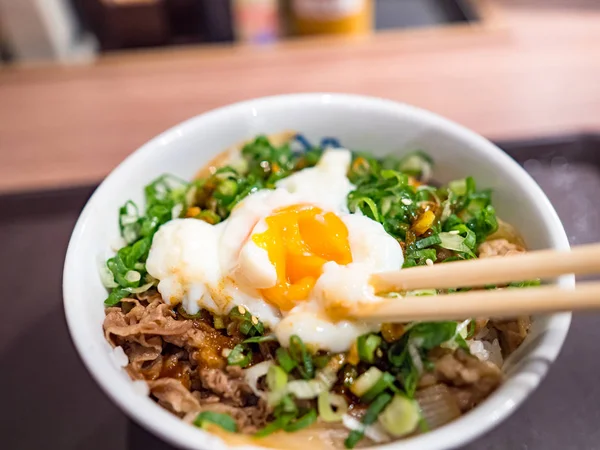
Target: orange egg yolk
x=299, y=240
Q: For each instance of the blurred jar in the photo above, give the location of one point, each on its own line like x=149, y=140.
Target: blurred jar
x=332, y=16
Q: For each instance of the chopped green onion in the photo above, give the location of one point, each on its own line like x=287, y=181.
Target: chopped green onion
x=305, y=421
x=129, y=222
x=248, y=324
x=276, y=378
x=326, y=412
x=163, y=195
x=454, y=242
x=279, y=423
x=400, y=417
x=300, y=354
x=428, y=241
x=458, y=187
x=183, y=313
x=369, y=418
x=132, y=276
x=471, y=329
x=246, y=327
x=285, y=360
x=284, y=413
x=398, y=351
x=375, y=408
x=260, y=339
x=176, y=211
x=366, y=345
x=428, y=335
x=218, y=323
x=227, y=188
x=425, y=193
x=409, y=376
x=417, y=163
x=115, y=297
x=386, y=381
x=523, y=284
x=306, y=389
x=321, y=361
x=107, y=277
x=401, y=179
x=419, y=257
x=365, y=204
x=224, y=421
x=286, y=406
x=208, y=217
x=140, y=289
x=239, y=356
x=421, y=292
x=328, y=375
x=461, y=343
x=323, y=381
x=354, y=438
x=272, y=427
x=366, y=381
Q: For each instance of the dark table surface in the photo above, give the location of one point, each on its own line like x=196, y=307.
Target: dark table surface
x=50, y=401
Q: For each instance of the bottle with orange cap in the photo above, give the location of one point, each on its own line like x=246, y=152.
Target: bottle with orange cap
x=311, y=17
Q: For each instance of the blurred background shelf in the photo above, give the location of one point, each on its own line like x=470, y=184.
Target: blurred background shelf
x=122, y=24
x=75, y=30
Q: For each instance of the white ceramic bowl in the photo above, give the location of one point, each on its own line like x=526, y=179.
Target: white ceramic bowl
x=377, y=125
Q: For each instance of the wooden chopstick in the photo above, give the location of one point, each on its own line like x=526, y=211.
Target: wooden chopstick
x=484, y=303
x=544, y=264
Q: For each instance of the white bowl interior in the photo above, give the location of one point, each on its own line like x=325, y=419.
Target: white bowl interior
x=379, y=126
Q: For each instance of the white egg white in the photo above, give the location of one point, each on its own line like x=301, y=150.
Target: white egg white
x=218, y=267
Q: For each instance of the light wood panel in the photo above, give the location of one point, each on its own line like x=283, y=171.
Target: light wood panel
x=539, y=74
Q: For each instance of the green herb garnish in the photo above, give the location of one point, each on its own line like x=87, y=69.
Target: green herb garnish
x=240, y=355
x=165, y=200
x=301, y=355
x=369, y=418
x=224, y=421
x=285, y=360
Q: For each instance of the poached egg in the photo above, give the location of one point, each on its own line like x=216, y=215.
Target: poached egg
x=295, y=257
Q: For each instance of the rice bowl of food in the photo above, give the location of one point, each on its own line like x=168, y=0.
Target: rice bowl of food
x=210, y=279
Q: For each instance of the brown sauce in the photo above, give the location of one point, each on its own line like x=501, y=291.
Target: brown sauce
x=210, y=355
x=172, y=368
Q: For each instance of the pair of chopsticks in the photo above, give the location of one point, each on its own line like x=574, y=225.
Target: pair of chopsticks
x=544, y=264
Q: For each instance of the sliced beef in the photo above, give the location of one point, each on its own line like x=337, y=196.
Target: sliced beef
x=469, y=379
x=155, y=319
x=144, y=362
x=249, y=419
x=173, y=395
x=182, y=361
x=511, y=332
x=228, y=384
x=499, y=247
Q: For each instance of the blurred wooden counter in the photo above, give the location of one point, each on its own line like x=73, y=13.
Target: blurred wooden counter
x=538, y=73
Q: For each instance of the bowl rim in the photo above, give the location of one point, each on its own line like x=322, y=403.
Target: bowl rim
x=461, y=431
